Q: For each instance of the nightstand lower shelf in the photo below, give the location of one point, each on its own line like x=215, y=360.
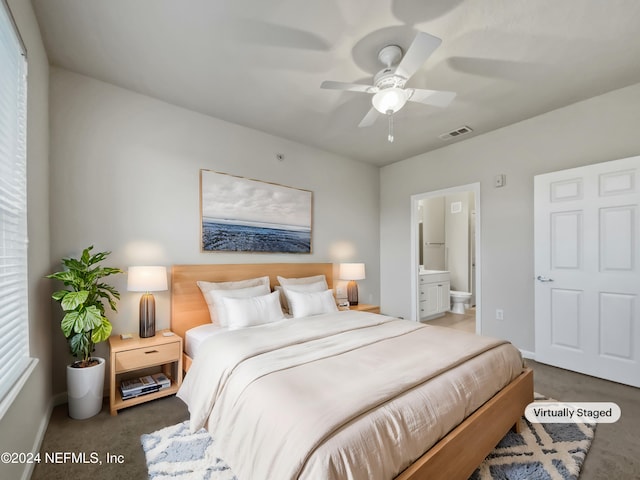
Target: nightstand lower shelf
x=119, y=403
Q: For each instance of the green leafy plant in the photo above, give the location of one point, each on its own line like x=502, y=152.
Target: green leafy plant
x=84, y=323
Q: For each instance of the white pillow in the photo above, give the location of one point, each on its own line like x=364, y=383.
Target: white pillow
x=320, y=286
x=302, y=280
x=206, y=287
x=304, y=304
x=216, y=297
x=250, y=282
x=248, y=312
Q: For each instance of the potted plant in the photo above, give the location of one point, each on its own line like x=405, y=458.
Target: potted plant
x=84, y=325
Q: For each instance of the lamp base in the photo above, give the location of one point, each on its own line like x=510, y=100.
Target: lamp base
x=147, y=316
x=352, y=292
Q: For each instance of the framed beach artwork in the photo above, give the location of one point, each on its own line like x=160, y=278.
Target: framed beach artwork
x=244, y=215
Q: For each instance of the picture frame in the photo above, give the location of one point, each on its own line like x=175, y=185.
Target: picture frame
x=239, y=214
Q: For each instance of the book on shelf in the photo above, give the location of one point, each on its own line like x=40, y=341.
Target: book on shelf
x=135, y=387
x=162, y=380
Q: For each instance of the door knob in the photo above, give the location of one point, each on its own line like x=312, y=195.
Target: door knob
x=540, y=278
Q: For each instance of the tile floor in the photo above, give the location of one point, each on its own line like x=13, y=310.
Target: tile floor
x=466, y=322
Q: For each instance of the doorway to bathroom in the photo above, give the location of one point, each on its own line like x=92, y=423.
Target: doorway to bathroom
x=445, y=241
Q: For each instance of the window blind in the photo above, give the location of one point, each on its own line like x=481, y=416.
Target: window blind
x=14, y=328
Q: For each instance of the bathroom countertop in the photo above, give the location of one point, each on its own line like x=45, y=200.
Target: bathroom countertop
x=432, y=272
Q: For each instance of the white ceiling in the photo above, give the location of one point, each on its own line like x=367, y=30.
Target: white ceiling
x=259, y=63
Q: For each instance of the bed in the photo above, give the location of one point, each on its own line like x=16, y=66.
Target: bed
x=455, y=453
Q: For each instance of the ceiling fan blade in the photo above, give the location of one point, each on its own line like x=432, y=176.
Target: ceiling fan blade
x=437, y=98
x=421, y=48
x=369, y=119
x=351, y=87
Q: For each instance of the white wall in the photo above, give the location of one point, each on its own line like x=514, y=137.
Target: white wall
x=596, y=130
x=23, y=425
x=125, y=177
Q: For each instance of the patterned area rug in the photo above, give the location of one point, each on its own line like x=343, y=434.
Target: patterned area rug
x=174, y=453
x=540, y=452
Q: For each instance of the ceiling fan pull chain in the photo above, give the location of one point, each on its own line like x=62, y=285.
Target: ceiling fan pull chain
x=390, y=137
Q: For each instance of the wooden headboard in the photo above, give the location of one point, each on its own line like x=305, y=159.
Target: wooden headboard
x=188, y=307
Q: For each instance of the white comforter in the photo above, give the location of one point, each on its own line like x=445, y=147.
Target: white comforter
x=339, y=396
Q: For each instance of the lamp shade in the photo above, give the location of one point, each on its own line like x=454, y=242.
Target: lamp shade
x=147, y=279
x=352, y=271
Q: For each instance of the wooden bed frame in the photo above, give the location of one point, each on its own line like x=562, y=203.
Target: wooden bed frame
x=455, y=456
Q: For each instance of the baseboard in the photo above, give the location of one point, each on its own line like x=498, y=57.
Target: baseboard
x=60, y=399
x=42, y=430
x=528, y=354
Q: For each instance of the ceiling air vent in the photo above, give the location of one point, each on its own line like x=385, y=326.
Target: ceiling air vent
x=456, y=133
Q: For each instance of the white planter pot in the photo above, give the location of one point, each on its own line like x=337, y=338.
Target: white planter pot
x=84, y=390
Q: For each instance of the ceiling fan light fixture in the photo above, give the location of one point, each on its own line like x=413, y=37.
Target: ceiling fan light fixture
x=390, y=99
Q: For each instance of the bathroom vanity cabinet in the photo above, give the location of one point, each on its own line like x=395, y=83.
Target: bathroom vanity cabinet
x=433, y=291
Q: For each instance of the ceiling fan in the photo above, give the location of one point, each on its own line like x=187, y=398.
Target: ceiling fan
x=389, y=94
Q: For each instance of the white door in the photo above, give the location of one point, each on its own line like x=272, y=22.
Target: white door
x=587, y=249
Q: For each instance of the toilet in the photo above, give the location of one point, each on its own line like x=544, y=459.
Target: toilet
x=459, y=300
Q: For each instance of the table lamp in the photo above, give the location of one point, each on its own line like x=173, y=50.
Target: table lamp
x=147, y=279
x=352, y=272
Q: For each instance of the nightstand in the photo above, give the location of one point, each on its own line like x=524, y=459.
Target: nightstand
x=128, y=356
x=363, y=307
